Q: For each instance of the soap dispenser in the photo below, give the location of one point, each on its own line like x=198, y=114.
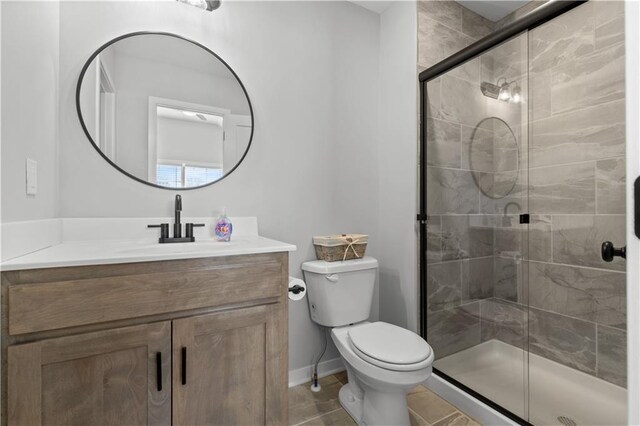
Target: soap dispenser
x=224, y=228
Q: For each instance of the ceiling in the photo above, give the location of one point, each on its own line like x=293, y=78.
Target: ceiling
x=493, y=10
x=377, y=6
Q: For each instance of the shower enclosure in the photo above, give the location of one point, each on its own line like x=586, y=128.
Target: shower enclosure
x=522, y=181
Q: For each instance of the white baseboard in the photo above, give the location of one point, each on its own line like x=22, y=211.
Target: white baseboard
x=466, y=403
x=325, y=368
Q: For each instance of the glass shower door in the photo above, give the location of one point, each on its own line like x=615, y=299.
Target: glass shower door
x=577, y=301
x=476, y=150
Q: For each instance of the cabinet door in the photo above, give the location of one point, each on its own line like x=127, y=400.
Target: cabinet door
x=229, y=368
x=99, y=378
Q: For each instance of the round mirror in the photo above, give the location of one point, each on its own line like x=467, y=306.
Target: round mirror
x=494, y=157
x=164, y=110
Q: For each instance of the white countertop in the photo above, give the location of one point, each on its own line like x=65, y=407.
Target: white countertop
x=96, y=252
x=99, y=241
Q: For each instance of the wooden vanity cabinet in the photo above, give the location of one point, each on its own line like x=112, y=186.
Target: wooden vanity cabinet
x=214, y=363
x=225, y=368
x=106, y=377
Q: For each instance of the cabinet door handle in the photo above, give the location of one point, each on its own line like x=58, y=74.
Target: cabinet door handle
x=184, y=365
x=159, y=370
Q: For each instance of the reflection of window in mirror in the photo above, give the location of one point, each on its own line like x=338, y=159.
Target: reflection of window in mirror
x=191, y=144
x=184, y=176
x=187, y=136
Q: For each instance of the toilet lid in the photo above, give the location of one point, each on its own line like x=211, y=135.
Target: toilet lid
x=389, y=344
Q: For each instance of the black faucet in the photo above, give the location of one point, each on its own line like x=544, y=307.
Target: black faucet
x=177, y=227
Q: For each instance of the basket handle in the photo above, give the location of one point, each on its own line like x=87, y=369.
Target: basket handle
x=333, y=278
x=350, y=242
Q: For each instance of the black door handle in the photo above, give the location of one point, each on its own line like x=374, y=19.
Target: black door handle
x=609, y=251
x=159, y=370
x=184, y=365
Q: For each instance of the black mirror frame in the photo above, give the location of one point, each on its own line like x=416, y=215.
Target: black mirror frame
x=86, y=131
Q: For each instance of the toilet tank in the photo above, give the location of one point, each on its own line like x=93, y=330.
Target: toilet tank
x=340, y=293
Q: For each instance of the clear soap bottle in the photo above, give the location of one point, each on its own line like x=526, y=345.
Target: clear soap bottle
x=224, y=228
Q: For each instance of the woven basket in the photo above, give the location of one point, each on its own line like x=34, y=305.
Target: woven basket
x=333, y=248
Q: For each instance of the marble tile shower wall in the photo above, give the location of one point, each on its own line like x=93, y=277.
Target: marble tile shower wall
x=486, y=280
x=460, y=256
x=577, y=302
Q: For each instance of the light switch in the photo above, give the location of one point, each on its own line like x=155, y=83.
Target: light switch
x=32, y=177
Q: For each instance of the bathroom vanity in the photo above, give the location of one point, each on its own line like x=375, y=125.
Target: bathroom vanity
x=201, y=339
x=101, y=330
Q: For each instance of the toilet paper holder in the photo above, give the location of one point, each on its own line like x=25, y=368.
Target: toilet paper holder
x=296, y=289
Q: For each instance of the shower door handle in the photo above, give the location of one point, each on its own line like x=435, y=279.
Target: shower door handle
x=609, y=251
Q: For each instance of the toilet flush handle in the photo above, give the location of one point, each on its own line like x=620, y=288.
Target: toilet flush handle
x=333, y=278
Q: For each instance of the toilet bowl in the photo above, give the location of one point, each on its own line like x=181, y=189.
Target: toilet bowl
x=376, y=393
x=384, y=362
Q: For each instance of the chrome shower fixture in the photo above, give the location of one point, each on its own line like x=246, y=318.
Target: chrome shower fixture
x=505, y=91
x=490, y=90
x=208, y=5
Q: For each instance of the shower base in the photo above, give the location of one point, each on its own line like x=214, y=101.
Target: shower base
x=558, y=395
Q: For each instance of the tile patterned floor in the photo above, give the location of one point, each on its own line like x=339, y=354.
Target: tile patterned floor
x=323, y=408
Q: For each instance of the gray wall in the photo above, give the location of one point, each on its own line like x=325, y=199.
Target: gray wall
x=398, y=166
x=30, y=67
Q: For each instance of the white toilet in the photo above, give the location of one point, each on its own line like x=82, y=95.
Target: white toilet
x=383, y=361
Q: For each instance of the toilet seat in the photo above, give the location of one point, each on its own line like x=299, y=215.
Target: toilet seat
x=390, y=347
